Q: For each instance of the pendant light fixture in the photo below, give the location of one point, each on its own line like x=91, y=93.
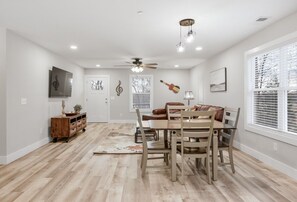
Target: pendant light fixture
x=180, y=47
x=190, y=34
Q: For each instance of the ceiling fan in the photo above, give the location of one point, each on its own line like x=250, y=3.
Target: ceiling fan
x=138, y=63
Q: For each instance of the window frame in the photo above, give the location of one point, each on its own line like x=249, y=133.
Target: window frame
x=131, y=94
x=277, y=134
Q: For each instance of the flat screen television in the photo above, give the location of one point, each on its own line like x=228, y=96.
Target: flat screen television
x=60, y=83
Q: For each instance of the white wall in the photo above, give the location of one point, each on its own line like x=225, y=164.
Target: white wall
x=2, y=93
x=119, y=108
x=28, y=68
x=233, y=58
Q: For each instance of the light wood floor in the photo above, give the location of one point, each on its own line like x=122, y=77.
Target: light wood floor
x=70, y=172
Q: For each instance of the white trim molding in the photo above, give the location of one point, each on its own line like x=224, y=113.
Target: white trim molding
x=3, y=160
x=22, y=152
x=280, y=166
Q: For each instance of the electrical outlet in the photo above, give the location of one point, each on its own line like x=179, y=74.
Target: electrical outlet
x=275, y=146
x=121, y=114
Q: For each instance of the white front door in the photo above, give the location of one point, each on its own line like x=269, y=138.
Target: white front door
x=97, y=94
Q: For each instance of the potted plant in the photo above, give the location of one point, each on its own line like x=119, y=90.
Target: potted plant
x=77, y=108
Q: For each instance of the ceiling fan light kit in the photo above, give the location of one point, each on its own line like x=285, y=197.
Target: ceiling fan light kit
x=138, y=66
x=137, y=69
x=190, y=34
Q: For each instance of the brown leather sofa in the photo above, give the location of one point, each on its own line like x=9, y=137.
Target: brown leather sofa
x=161, y=113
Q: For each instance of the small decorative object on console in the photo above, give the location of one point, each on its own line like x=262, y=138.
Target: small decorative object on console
x=77, y=108
x=63, y=107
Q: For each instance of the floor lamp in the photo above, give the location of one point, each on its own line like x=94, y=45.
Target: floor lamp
x=189, y=96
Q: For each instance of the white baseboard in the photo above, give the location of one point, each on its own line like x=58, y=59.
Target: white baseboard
x=2, y=159
x=284, y=168
x=122, y=121
x=22, y=152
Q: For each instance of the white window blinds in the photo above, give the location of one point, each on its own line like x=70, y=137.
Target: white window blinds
x=274, y=88
x=141, y=90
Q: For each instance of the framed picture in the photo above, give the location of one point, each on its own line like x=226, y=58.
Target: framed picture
x=218, y=80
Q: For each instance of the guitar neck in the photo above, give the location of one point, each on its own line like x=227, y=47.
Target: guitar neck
x=167, y=84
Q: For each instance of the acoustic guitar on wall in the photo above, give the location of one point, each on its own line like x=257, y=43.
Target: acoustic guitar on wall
x=172, y=87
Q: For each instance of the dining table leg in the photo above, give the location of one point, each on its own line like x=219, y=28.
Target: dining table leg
x=173, y=157
x=215, y=155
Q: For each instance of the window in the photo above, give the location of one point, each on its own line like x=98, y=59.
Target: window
x=141, y=92
x=272, y=89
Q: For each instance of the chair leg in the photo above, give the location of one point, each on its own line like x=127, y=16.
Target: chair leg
x=198, y=163
x=144, y=164
x=166, y=159
x=208, y=169
x=231, y=159
x=221, y=156
x=141, y=163
x=183, y=172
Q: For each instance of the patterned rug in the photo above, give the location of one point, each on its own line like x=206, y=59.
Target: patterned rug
x=119, y=143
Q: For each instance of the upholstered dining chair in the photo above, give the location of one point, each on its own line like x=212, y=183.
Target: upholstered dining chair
x=151, y=147
x=226, y=136
x=189, y=132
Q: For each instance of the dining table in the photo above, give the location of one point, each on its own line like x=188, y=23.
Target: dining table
x=175, y=125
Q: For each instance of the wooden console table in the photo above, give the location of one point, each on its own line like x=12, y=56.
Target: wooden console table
x=66, y=127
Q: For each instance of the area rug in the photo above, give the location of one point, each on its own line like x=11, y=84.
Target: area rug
x=119, y=143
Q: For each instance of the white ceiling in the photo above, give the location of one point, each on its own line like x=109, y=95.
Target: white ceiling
x=111, y=32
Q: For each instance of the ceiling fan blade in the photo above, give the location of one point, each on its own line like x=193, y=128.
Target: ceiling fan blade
x=150, y=64
x=150, y=67
x=123, y=65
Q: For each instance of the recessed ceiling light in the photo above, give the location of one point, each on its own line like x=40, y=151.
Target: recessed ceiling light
x=199, y=48
x=176, y=66
x=98, y=65
x=73, y=47
x=139, y=12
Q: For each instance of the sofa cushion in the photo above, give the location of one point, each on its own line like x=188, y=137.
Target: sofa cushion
x=219, y=112
x=204, y=107
x=174, y=104
x=159, y=111
x=154, y=117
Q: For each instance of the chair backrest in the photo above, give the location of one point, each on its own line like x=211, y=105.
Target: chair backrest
x=174, y=111
x=231, y=116
x=144, y=142
x=190, y=129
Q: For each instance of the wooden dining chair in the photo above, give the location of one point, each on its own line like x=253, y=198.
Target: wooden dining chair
x=226, y=136
x=174, y=113
x=196, y=149
x=151, y=147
